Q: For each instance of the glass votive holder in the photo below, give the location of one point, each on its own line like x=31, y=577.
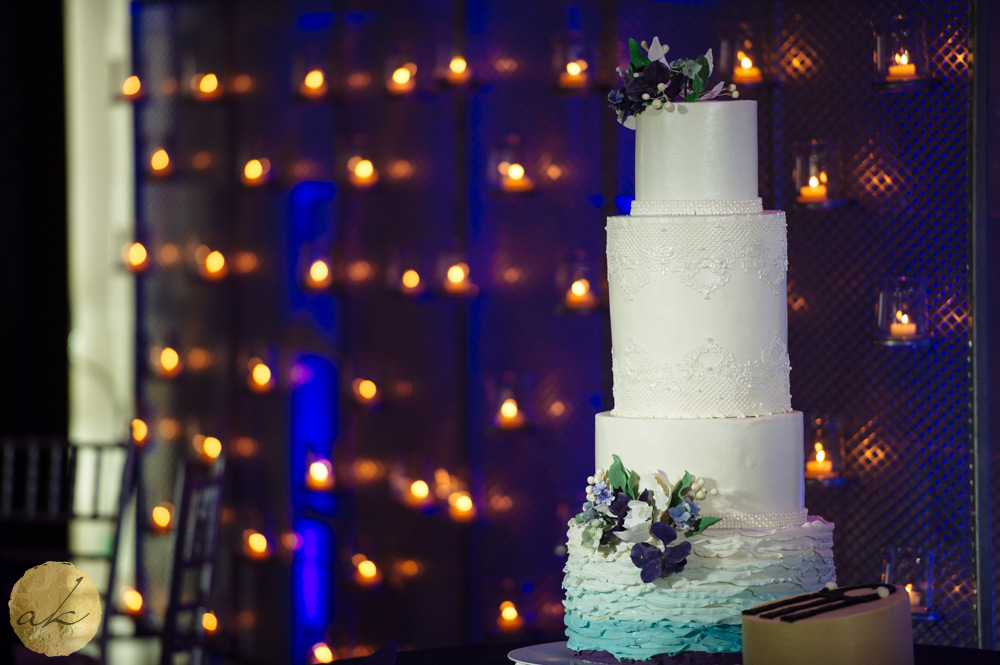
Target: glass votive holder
x=571, y=63
x=506, y=401
x=817, y=173
x=361, y=171
x=310, y=76
x=913, y=569
x=201, y=81
x=159, y=159
x=124, y=83
x=823, y=450
x=315, y=268
x=405, y=273
x=741, y=56
x=507, y=171
x=454, y=275
x=576, y=285
x=400, y=75
x=901, y=315
x=451, y=66
x=900, y=58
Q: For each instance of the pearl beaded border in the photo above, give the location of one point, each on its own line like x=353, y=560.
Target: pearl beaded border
x=696, y=207
x=755, y=521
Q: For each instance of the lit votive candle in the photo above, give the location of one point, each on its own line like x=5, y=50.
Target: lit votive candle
x=916, y=600
x=319, y=276
x=813, y=192
x=457, y=279
x=513, y=179
x=574, y=76
x=256, y=172
x=410, y=282
x=205, y=87
x=579, y=295
x=746, y=72
x=509, y=415
x=403, y=80
x=132, y=88
x=313, y=84
x=458, y=71
x=509, y=620
x=903, y=69
x=320, y=475
x=362, y=172
x=820, y=467
x=901, y=328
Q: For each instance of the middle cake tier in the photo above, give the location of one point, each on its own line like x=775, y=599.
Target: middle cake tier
x=754, y=465
x=698, y=315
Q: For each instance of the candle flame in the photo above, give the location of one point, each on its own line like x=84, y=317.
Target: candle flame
x=515, y=171
x=314, y=79
x=411, y=279
x=580, y=287
x=364, y=169
x=509, y=408
x=132, y=599
x=209, y=622
x=458, y=64
x=508, y=611
x=457, y=273
x=902, y=58
x=257, y=542
x=820, y=455
x=419, y=489
x=319, y=271
x=322, y=653
x=746, y=63
x=131, y=86
x=401, y=76
x=813, y=181
x=160, y=160
x=573, y=68
x=909, y=588
x=208, y=84
x=367, y=569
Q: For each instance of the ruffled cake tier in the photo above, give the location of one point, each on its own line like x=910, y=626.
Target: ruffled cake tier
x=608, y=609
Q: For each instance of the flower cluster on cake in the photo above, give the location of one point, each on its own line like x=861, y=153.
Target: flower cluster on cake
x=651, y=81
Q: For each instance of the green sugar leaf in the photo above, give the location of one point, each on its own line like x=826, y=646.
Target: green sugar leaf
x=701, y=524
x=682, y=486
x=618, y=476
x=635, y=56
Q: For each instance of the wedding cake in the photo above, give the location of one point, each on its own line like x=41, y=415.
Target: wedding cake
x=695, y=511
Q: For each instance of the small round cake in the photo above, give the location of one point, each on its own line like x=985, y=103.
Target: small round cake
x=855, y=625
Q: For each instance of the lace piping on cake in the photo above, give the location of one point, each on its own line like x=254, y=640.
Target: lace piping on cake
x=699, y=207
x=703, y=253
x=708, y=383
x=761, y=521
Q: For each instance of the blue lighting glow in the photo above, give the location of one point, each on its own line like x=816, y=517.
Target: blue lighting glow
x=314, y=21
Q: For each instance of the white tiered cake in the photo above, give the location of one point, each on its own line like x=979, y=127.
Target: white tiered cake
x=701, y=385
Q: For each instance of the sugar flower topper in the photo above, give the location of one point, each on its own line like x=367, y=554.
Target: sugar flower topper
x=652, y=81
x=616, y=510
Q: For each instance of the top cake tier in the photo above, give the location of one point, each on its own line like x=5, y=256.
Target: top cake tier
x=702, y=151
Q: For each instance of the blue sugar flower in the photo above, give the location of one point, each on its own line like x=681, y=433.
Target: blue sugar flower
x=603, y=493
x=685, y=513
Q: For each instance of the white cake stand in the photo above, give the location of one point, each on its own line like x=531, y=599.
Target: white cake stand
x=552, y=653
x=556, y=653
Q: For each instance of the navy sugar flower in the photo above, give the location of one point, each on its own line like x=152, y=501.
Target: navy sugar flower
x=656, y=563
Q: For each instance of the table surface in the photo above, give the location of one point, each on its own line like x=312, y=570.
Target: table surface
x=496, y=654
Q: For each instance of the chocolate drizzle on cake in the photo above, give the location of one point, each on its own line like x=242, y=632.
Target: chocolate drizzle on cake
x=823, y=601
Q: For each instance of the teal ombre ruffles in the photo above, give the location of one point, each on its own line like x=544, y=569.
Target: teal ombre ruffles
x=623, y=638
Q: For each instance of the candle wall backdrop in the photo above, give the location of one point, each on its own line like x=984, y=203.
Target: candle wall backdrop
x=399, y=241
